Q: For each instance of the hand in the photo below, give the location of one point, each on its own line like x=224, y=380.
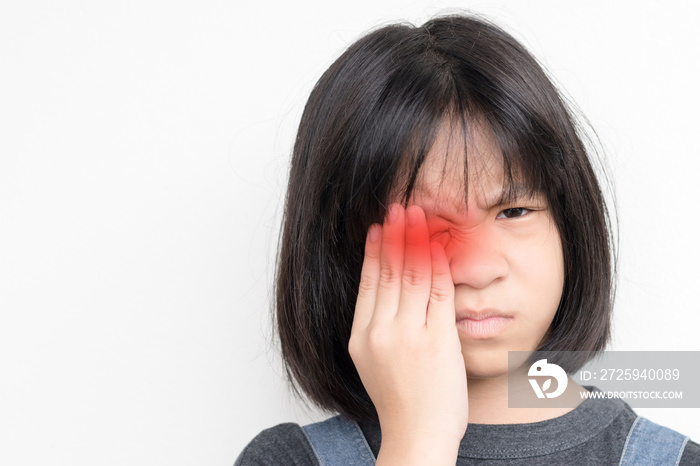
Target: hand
x=404, y=342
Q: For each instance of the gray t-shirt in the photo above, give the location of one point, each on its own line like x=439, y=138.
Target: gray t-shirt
x=592, y=434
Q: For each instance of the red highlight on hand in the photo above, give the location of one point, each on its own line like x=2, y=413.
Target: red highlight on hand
x=405, y=249
x=417, y=245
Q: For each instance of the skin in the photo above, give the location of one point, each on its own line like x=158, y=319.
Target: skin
x=424, y=265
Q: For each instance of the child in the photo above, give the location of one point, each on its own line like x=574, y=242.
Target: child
x=442, y=211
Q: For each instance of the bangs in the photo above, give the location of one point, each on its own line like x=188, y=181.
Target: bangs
x=523, y=163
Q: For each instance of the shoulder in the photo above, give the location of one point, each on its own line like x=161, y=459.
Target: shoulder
x=667, y=440
x=282, y=444
x=691, y=454
x=605, y=426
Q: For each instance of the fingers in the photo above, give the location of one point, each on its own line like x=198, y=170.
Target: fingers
x=391, y=260
x=403, y=275
x=441, y=309
x=416, y=279
x=367, y=293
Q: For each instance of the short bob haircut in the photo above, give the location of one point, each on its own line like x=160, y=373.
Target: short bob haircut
x=376, y=111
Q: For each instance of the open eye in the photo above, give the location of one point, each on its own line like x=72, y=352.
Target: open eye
x=514, y=212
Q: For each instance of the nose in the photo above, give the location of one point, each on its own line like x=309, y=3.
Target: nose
x=477, y=261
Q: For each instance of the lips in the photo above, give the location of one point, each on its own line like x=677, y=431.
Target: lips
x=480, y=315
x=482, y=324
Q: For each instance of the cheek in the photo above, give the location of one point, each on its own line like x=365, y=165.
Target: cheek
x=539, y=251
x=543, y=264
x=540, y=268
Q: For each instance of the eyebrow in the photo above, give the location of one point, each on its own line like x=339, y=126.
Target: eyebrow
x=520, y=192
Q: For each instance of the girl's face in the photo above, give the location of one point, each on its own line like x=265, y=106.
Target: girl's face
x=506, y=258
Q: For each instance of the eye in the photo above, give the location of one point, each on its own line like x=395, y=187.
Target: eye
x=514, y=212
x=440, y=236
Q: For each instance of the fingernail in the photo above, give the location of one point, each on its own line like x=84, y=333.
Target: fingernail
x=374, y=232
x=412, y=216
x=393, y=213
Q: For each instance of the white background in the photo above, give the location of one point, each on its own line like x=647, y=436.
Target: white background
x=143, y=154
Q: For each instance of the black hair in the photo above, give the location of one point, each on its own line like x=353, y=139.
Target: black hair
x=368, y=125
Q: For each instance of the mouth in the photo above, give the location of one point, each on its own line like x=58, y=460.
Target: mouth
x=483, y=324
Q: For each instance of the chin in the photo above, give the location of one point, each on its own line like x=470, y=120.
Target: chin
x=485, y=364
x=489, y=359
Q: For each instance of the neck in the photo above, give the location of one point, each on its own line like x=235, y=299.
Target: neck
x=488, y=403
